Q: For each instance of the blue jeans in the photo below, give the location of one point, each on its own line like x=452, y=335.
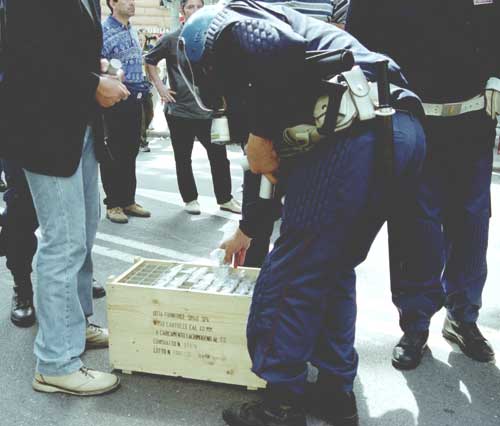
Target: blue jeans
x=304, y=303
x=68, y=213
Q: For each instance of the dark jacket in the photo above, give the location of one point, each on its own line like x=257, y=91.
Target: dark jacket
x=53, y=54
x=447, y=49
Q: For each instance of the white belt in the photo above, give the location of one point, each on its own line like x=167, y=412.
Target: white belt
x=449, y=110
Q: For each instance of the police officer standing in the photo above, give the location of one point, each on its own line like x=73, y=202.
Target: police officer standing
x=448, y=50
x=303, y=307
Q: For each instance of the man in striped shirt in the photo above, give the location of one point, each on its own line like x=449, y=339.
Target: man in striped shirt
x=339, y=15
x=334, y=11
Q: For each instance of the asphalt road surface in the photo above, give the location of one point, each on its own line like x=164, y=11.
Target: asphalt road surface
x=448, y=389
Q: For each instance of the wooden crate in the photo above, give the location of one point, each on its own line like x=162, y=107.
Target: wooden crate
x=180, y=331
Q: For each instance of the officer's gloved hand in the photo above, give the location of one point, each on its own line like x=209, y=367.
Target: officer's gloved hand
x=492, y=94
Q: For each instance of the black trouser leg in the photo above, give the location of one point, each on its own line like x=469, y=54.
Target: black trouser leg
x=18, y=232
x=123, y=122
x=219, y=164
x=147, y=114
x=182, y=136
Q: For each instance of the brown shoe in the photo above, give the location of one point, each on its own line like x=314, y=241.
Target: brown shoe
x=116, y=215
x=136, y=210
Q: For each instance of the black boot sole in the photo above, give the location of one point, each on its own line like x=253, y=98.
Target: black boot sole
x=323, y=415
x=410, y=365
x=233, y=420
x=24, y=323
x=348, y=421
x=335, y=421
x=455, y=339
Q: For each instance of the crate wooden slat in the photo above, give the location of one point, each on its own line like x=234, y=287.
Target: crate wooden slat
x=178, y=332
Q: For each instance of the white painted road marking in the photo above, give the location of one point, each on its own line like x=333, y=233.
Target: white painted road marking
x=150, y=248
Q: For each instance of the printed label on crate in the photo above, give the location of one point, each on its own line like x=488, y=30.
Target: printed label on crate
x=186, y=335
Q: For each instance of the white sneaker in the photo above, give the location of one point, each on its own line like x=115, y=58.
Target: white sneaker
x=83, y=382
x=193, y=207
x=233, y=205
x=96, y=337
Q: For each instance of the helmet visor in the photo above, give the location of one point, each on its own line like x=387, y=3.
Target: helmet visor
x=201, y=81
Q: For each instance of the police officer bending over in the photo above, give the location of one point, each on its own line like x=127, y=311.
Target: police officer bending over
x=304, y=308
x=249, y=244
x=449, y=52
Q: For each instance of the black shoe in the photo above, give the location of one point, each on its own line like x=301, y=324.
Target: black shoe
x=98, y=290
x=22, y=313
x=327, y=401
x=470, y=340
x=272, y=411
x=408, y=353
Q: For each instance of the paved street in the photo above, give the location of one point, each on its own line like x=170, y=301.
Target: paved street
x=448, y=389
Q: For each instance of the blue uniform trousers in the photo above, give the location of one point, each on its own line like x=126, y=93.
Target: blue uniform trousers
x=304, y=305
x=452, y=218
x=18, y=240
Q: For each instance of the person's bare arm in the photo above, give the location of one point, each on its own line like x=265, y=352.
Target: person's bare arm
x=166, y=94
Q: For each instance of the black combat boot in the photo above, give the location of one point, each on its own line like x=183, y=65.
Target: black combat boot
x=327, y=401
x=22, y=313
x=275, y=409
x=408, y=353
x=470, y=340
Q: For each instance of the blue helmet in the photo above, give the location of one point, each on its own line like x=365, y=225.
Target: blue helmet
x=196, y=59
x=194, y=32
